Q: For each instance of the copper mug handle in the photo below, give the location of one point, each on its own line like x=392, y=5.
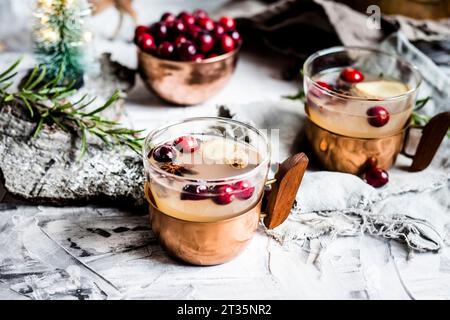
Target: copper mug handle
x=284, y=189
x=432, y=135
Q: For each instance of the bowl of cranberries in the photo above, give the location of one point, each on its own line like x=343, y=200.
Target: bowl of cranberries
x=359, y=103
x=187, y=58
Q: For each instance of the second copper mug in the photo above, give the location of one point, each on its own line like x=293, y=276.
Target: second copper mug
x=201, y=232
x=341, y=128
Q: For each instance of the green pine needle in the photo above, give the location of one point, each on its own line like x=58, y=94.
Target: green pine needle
x=47, y=105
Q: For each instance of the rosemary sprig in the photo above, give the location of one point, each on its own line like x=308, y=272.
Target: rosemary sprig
x=47, y=104
x=422, y=119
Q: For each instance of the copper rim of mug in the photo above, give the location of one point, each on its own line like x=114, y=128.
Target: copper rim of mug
x=203, y=61
x=153, y=133
x=338, y=49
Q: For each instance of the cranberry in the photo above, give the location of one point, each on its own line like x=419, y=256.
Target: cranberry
x=205, y=42
x=179, y=27
x=194, y=192
x=166, y=50
x=198, y=57
x=186, y=51
x=180, y=39
x=218, y=31
x=199, y=13
x=206, y=23
x=244, y=189
x=140, y=30
x=213, y=55
x=228, y=23
x=226, y=44
x=352, y=75
x=376, y=177
x=147, y=43
x=159, y=31
x=236, y=37
x=186, y=18
x=224, y=194
x=164, y=153
x=193, y=31
x=378, y=116
x=168, y=17
x=186, y=144
x=324, y=85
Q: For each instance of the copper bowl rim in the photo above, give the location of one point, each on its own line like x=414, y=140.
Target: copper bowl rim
x=204, y=61
x=265, y=161
x=372, y=49
x=238, y=216
x=406, y=127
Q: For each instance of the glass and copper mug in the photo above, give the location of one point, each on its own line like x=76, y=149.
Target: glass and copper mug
x=350, y=124
x=205, y=184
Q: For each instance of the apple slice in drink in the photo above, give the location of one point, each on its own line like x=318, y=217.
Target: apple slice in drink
x=380, y=89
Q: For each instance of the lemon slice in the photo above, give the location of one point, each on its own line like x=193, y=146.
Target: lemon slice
x=223, y=151
x=379, y=89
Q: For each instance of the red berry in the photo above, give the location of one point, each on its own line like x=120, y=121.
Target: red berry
x=194, y=192
x=205, y=42
x=180, y=39
x=186, y=18
x=244, y=189
x=236, y=37
x=206, y=23
x=147, y=43
x=218, y=31
x=166, y=50
x=140, y=30
x=324, y=85
x=199, y=13
x=187, y=51
x=168, y=17
x=198, y=57
x=378, y=116
x=226, y=44
x=351, y=75
x=159, y=31
x=228, y=23
x=164, y=153
x=213, y=55
x=224, y=194
x=376, y=177
x=186, y=144
x=193, y=31
x=179, y=27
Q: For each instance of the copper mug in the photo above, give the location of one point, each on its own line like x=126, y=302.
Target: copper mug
x=197, y=232
x=341, y=130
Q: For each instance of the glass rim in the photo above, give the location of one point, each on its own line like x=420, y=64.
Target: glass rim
x=151, y=134
x=337, y=49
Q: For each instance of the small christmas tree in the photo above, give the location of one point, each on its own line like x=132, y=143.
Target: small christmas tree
x=60, y=38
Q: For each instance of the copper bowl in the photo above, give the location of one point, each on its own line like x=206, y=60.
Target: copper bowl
x=186, y=82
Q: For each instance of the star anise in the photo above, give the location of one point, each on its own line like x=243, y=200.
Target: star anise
x=176, y=169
